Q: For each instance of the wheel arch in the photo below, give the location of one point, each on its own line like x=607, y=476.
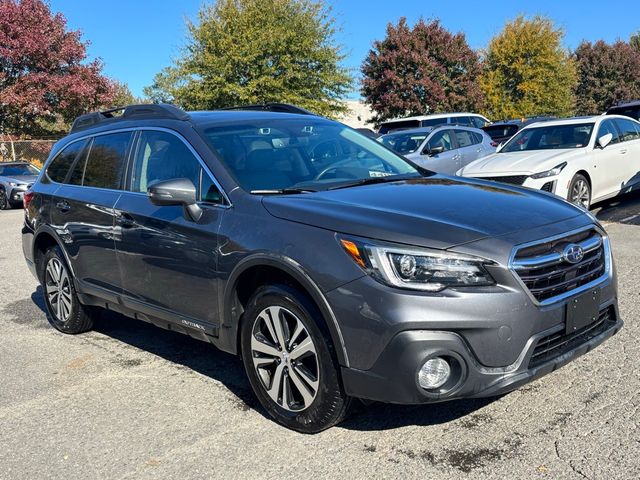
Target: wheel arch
x=262, y=269
x=44, y=239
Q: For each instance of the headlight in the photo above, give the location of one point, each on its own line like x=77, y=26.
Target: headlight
x=550, y=173
x=423, y=269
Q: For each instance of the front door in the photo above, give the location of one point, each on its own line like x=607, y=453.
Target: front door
x=168, y=261
x=447, y=161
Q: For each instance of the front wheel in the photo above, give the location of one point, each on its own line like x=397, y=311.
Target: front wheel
x=4, y=201
x=289, y=361
x=580, y=191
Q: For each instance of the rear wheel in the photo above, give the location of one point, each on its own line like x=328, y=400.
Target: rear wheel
x=4, y=201
x=580, y=191
x=65, y=312
x=290, y=362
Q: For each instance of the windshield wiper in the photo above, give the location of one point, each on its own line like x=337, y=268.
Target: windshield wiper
x=282, y=191
x=373, y=180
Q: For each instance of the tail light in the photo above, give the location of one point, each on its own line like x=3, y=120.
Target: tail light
x=27, y=197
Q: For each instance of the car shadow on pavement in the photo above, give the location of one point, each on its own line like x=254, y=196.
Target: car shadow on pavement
x=200, y=357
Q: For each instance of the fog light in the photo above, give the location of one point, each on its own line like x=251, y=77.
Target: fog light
x=434, y=373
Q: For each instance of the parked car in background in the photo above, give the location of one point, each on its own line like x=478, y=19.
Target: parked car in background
x=500, y=132
x=628, y=109
x=15, y=179
x=440, y=149
x=584, y=160
x=368, y=132
x=333, y=277
x=466, y=119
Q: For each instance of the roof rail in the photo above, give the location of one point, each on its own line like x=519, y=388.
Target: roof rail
x=272, y=107
x=162, y=110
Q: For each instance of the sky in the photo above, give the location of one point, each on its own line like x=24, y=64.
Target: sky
x=137, y=38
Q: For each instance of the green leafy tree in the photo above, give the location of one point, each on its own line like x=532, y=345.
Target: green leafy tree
x=255, y=51
x=528, y=72
x=608, y=74
x=419, y=70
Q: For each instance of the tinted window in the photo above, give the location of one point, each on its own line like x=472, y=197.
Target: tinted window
x=628, y=130
x=59, y=166
x=209, y=191
x=633, y=112
x=464, y=138
x=77, y=170
x=20, y=169
x=477, y=137
x=478, y=122
x=106, y=161
x=434, y=122
x=441, y=139
x=162, y=156
x=398, y=125
x=607, y=127
x=500, y=131
x=462, y=121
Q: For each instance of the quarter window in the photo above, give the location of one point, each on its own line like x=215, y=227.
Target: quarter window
x=464, y=138
x=106, y=161
x=59, y=166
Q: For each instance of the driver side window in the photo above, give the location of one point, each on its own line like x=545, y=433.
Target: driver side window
x=441, y=139
x=608, y=127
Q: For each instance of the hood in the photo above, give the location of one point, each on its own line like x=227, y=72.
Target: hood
x=514, y=163
x=437, y=212
x=22, y=178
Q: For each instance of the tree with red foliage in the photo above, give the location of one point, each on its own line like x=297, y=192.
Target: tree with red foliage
x=421, y=70
x=44, y=79
x=607, y=74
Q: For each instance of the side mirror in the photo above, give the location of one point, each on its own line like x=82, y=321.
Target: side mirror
x=434, y=150
x=177, y=191
x=605, y=140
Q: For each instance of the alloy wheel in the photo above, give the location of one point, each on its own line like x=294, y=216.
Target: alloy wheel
x=285, y=358
x=580, y=193
x=58, y=290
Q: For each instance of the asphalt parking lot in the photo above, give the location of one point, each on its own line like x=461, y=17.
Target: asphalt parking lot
x=132, y=401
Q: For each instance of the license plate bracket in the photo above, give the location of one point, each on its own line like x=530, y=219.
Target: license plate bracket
x=583, y=310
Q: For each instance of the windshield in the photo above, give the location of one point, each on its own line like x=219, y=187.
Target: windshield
x=551, y=137
x=403, y=143
x=16, y=170
x=301, y=153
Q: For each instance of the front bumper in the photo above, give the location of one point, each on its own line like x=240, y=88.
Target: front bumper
x=394, y=377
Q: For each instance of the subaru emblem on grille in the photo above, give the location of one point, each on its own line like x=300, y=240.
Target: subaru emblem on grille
x=573, y=253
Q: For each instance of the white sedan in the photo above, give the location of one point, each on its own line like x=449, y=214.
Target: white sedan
x=584, y=160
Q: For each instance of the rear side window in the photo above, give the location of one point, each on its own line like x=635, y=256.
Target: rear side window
x=106, y=161
x=478, y=122
x=464, y=138
x=628, y=130
x=59, y=166
x=477, y=137
x=466, y=121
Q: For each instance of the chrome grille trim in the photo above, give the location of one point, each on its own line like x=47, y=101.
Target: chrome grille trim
x=599, y=241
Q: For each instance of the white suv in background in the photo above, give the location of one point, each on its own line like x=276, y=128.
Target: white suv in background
x=584, y=160
x=464, y=119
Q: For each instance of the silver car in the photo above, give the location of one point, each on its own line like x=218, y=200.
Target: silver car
x=15, y=179
x=443, y=149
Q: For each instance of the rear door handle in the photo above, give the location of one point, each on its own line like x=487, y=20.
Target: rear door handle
x=63, y=206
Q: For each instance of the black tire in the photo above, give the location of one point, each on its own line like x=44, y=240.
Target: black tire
x=580, y=191
x=4, y=201
x=330, y=404
x=71, y=317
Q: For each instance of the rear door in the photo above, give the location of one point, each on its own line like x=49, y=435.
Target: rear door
x=82, y=210
x=169, y=261
x=469, y=146
x=448, y=161
x=630, y=146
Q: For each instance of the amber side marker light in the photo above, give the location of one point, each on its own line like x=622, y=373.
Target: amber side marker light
x=352, y=249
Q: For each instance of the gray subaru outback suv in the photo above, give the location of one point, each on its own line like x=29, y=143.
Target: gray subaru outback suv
x=335, y=268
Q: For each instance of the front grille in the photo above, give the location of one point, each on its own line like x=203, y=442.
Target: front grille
x=512, y=180
x=556, y=344
x=547, y=274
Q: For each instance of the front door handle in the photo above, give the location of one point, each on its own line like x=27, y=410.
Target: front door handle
x=63, y=206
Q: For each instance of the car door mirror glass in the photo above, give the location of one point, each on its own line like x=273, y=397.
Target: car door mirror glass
x=604, y=140
x=178, y=191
